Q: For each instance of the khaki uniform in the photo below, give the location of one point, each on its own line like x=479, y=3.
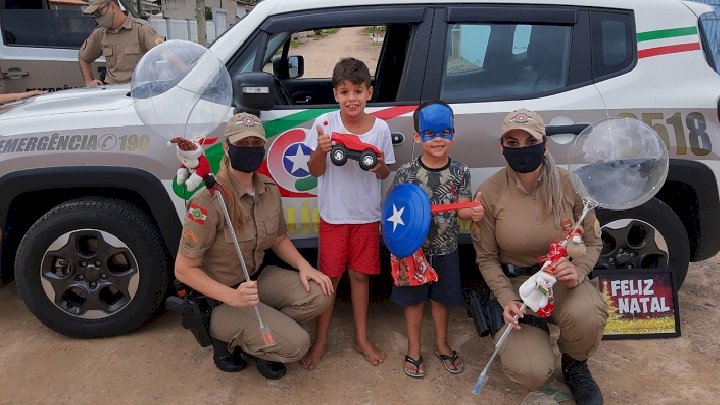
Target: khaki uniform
x=122, y=48
x=514, y=230
x=284, y=301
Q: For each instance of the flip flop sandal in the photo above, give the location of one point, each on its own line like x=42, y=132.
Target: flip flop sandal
x=444, y=358
x=417, y=373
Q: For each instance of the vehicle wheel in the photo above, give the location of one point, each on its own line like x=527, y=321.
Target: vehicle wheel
x=368, y=160
x=338, y=155
x=92, y=267
x=648, y=236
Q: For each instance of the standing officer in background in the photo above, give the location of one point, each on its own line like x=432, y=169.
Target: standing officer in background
x=122, y=39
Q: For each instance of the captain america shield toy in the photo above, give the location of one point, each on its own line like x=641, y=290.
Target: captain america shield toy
x=405, y=219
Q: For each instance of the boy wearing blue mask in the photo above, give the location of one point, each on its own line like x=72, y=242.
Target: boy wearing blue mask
x=445, y=181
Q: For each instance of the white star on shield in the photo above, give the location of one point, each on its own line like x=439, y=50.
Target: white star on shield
x=299, y=160
x=396, y=217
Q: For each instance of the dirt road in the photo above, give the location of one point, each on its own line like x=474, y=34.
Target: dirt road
x=321, y=54
x=161, y=362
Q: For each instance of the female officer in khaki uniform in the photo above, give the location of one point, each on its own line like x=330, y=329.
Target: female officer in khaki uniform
x=207, y=261
x=527, y=206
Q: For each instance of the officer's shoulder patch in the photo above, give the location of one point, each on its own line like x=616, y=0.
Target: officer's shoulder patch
x=190, y=239
x=197, y=213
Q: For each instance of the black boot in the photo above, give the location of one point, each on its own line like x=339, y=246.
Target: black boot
x=226, y=361
x=272, y=370
x=577, y=375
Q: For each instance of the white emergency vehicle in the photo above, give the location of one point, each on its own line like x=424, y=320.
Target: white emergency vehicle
x=91, y=218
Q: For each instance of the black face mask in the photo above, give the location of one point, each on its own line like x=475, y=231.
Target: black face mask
x=247, y=159
x=524, y=160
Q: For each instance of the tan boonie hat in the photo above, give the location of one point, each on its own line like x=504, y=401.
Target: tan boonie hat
x=243, y=125
x=94, y=5
x=524, y=120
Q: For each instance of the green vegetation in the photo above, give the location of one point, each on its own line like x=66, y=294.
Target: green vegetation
x=319, y=33
x=458, y=64
x=374, y=30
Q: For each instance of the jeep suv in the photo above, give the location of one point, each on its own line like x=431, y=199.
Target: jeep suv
x=91, y=218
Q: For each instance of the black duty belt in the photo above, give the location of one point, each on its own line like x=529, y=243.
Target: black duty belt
x=511, y=270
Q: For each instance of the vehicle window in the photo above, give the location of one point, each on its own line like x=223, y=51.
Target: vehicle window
x=382, y=47
x=45, y=28
x=613, y=48
x=710, y=23
x=501, y=60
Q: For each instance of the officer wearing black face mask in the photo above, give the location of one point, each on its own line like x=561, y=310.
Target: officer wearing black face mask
x=208, y=263
x=529, y=205
x=120, y=38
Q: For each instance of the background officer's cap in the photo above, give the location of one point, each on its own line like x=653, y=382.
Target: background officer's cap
x=94, y=5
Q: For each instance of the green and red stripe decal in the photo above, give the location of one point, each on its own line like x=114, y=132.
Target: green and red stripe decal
x=668, y=49
x=275, y=127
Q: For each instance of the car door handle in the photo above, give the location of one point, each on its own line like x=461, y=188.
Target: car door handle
x=299, y=99
x=575, y=129
x=397, y=138
x=15, y=73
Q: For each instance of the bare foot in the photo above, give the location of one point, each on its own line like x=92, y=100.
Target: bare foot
x=372, y=353
x=313, y=356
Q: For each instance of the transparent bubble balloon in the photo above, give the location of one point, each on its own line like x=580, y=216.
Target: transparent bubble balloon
x=180, y=88
x=618, y=163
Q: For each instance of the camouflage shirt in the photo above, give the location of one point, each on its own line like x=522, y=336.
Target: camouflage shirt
x=443, y=185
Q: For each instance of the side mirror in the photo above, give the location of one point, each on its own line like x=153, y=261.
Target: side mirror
x=254, y=92
x=290, y=68
x=296, y=66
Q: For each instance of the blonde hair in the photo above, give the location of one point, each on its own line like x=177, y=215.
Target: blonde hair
x=551, y=191
x=232, y=198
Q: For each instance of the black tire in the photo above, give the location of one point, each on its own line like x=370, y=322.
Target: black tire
x=368, y=160
x=648, y=236
x=92, y=267
x=338, y=155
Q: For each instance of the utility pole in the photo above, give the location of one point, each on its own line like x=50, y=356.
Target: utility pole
x=200, y=17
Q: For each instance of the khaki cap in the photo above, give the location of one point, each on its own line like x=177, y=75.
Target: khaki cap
x=524, y=120
x=244, y=125
x=94, y=5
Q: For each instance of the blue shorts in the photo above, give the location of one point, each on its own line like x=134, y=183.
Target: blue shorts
x=447, y=290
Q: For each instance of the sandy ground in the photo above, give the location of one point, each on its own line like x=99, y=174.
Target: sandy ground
x=162, y=363
x=321, y=54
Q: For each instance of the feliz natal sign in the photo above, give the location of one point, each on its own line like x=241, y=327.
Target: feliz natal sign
x=641, y=303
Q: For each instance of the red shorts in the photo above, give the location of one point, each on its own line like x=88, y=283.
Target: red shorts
x=348, y=246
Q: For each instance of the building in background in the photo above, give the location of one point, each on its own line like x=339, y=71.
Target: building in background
x=148, y=7
x=185, y=9
x=67, y=4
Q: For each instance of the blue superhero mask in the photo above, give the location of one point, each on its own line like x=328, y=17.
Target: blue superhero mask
x=436, y=120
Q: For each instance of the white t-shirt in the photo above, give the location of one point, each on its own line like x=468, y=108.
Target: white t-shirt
x=348, y=194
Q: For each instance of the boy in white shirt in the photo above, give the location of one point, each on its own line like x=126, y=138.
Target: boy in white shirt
x=349, y=203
